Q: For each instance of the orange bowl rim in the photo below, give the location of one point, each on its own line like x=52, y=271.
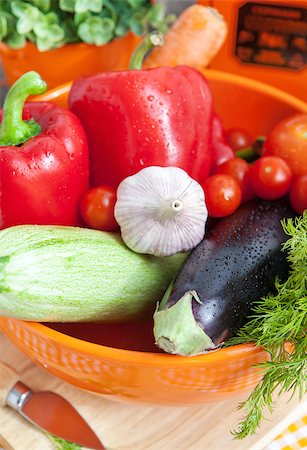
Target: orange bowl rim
x=132, y=356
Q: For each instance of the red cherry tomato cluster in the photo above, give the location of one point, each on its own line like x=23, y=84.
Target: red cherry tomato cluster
x=280, y=171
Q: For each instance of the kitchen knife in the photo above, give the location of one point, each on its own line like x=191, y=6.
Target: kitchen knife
x=47, y=410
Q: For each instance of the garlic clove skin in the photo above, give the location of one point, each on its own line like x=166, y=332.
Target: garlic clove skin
x=161, y=211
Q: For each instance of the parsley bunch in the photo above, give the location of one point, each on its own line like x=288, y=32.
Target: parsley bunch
x=52, y=23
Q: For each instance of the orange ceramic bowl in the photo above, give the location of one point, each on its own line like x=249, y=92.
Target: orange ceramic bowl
x=120, y=360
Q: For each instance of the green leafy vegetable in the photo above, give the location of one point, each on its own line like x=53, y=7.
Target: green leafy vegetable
x=96, y=30
x=67, y=5
x=15, y=40
x=51, y=24
x=3, y=27
x=279, y=325
x=89, y=5
x=43, y=5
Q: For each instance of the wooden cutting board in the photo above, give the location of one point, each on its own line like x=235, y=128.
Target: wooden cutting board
x=128, y=426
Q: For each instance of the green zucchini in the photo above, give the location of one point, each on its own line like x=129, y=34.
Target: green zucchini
x=70, y=274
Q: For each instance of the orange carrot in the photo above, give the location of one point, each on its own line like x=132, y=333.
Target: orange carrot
x=194, y=39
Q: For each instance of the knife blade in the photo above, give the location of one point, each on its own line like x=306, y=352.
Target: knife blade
x=47, y=410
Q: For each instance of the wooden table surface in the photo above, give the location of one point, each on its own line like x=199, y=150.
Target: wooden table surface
x=129, y=426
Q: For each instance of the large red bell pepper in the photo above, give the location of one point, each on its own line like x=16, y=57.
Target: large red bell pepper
x=44, y=159
x=138, y=118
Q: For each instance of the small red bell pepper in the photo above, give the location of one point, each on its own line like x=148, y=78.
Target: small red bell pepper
x=222, y=152
x=138, y=118
x=43, y=157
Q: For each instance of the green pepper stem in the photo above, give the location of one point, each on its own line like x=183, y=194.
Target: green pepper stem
x=151, y=40
x=13, y=129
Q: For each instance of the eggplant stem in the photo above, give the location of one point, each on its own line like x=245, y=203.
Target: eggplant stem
x=176, y=330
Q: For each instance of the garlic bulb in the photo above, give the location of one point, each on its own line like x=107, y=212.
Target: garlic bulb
x=161, y=211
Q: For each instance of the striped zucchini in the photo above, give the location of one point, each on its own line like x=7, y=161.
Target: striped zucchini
x=69, y=274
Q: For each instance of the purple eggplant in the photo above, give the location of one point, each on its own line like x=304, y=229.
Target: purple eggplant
x=236, y=264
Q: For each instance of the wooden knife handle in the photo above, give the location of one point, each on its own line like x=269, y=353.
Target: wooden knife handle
x=8, y=378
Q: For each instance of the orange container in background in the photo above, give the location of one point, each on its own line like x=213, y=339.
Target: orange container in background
x=267, y=41
x=69, y=62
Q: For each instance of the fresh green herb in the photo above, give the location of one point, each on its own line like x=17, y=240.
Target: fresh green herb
x=53, y=23
x=279, y=325
x=61, y=444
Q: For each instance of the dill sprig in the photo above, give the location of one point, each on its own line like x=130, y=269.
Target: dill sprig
x=279, y=325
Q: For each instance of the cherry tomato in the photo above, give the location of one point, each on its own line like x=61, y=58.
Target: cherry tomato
x=288, y=140
x=270, y=177
x=298, y=194
x=238, y=138
x=222, y=195
x=97, y=208
x=238, y=169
